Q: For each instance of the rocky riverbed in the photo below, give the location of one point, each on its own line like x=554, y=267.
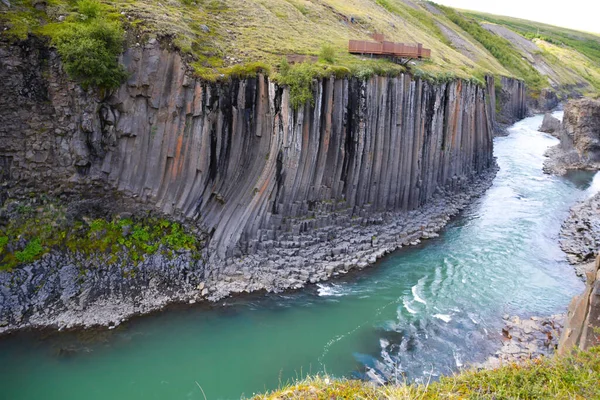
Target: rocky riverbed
x=67, y=291
x=526, y=338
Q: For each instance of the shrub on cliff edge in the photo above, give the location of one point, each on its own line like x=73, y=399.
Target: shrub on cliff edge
x=89, y=45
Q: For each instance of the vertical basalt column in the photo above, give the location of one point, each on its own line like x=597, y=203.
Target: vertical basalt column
x=249, y=167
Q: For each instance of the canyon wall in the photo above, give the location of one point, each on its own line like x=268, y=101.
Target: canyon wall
x=579, y=135
x=513, y=99
x=285, y=196
x=236, y=156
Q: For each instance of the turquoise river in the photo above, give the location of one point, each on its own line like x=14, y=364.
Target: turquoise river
x=420, y=312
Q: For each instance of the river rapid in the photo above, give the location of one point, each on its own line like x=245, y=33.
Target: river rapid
x=419, y=313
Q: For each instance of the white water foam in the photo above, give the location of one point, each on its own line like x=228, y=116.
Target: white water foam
x=416, y=295
x=444, y=317
x=331, y=290
x=457, y=359
x=407, y=306
x=594, y=186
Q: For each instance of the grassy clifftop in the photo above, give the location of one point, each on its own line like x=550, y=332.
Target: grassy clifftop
x=221, y=38
x=573, y=377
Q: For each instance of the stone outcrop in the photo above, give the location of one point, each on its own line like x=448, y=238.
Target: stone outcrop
x=579, y=146
x=580, y=239
x=546, y=101
x=513, y=101
x=526, y=339
x=550, y=125
x=580, y=234
x=285, y=196
x=583, y=317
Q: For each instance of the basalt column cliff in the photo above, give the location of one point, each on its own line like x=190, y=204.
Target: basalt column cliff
x=284, y=196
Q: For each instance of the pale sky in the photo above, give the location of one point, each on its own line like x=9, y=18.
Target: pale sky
x=576, y=14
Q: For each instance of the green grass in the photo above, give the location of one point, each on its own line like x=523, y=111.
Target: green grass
x=576, y=376
x=31, y=233
x=236, y=38
x=89, y=40
x=574, y=57
x=500, y=48
x=585, y=43
x=300, y=77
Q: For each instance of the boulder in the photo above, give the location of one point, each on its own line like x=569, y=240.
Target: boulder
x=550, y=125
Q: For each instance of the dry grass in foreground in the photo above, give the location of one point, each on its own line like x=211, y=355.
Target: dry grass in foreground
x=572, y=377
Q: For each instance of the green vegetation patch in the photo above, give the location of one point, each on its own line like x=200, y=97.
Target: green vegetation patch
x=89, y=44
x=587, y=44
x=32, y=232
x=88, y=35
x=237, y=71
x=571, y=377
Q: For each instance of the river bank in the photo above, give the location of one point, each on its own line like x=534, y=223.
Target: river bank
x=80, y=304
x=536, y=337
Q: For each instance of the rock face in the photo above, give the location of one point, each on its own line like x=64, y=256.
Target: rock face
x=286, y=196
x=583, y=317
x=546, y=101
x=508, y=100
x=550, y=125
x=580, y=233
x=580, y=239
x=579, y=146
x=513, y=101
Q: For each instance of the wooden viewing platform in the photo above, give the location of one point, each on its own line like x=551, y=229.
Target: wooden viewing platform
x=385, y=48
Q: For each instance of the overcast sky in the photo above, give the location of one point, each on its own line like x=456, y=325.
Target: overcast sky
x=576, y=14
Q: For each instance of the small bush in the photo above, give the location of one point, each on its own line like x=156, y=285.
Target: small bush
x=284, y=66
x=90, y=52
x=90, y=47
x=300, y=81
x=89, y=9
x=327, y=54
x=30, y=252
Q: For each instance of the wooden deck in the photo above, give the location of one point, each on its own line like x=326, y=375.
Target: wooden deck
x=386, y=48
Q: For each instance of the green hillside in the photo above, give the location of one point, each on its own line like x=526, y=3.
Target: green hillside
x=222, y=38
x=572, y=56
